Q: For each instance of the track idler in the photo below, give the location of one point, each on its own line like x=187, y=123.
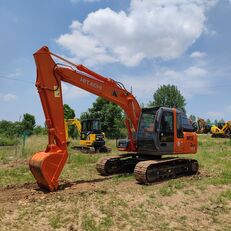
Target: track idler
x=47, y=167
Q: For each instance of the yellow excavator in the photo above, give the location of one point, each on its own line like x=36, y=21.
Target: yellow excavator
x=224, y=132
x=92, y=139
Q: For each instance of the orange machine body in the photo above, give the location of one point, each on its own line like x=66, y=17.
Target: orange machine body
x=165, y=131
x=187, y=144
x=47, y=166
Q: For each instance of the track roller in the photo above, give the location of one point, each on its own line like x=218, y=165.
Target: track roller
x=155, y=170
x=116, y=164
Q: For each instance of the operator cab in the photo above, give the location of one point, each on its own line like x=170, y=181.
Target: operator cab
x=160, y=128
x=92, y=127
x=89, y=125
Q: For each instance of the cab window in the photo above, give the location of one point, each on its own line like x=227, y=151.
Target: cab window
x=166, y=127
x=179, y=126
x=146, y=126
x=96, y=125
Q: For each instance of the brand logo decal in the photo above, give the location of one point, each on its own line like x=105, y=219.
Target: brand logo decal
x=114, y=93
x=91, y=84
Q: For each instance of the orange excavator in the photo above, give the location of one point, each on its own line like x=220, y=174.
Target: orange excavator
x=152, y=132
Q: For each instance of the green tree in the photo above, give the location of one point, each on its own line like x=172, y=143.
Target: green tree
x=110, y=115
x=11, y=129
x=69, y=113
x=221, y=121
x=208, y=121
x=18, y=128
x=168, y=96
x=28, y=123
x=193, y=118
x=7, y=128
x=39, y=130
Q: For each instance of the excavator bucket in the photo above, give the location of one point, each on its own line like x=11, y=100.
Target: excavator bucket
x=46, y=168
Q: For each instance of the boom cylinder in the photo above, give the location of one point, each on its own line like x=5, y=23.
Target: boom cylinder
x=46, y=166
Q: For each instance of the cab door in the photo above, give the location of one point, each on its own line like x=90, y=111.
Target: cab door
x=179, y=137
x=166, y=131
x=146, y=135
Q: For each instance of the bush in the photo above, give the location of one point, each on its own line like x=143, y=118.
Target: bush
x=6, y=141
x=38, y=130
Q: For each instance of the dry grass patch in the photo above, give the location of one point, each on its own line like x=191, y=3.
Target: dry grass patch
x=87, y=201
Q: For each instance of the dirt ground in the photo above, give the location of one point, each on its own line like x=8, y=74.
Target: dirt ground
x=87, y=201
x=111, y=203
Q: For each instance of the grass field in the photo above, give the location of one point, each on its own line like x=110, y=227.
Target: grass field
x=88, y=201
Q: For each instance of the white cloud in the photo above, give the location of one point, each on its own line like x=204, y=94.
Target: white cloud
x=224, y=113
x=191, y=81
x=215, y=114
x=72, y=92
x=151, y=29
x=16, y=73
x=7, y=97
x=195, y=71
x=210, y=32
x=198, y=54
x=228, y=108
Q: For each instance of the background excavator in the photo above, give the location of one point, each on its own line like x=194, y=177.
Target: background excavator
x=203, y=127
x=223, y=132
x=92, y=139
x=152, y=132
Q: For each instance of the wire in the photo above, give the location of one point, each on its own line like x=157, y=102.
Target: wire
x=55, y=75
x=119, y=83
x=20, y=80
x=65, y=65
x=56, y=78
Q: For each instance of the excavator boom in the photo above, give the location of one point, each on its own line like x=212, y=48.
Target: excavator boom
x=46, y=166
x=74, y=122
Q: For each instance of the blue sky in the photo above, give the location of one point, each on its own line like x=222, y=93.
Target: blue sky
x=143, y=44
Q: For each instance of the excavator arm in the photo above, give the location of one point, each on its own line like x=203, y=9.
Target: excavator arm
x=47, y=166
x=74, y=122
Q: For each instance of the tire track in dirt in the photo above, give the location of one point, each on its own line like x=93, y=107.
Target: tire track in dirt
x=31, y=192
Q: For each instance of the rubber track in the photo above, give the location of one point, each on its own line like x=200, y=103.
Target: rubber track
x=170, y=171
x=101, y=165
x=141, y=170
